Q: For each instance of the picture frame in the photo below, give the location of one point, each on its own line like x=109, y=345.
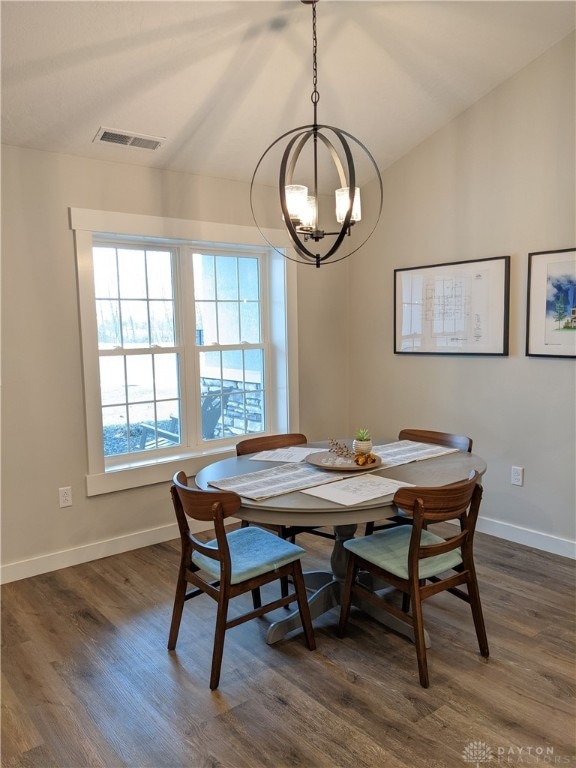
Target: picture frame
x=551, y=304
x=455, y=308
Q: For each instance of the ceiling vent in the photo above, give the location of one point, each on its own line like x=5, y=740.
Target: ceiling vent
x=135, y=140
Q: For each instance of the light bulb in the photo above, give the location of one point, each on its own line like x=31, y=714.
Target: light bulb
x=343, y=202
x=308, y=218
x=296, y=200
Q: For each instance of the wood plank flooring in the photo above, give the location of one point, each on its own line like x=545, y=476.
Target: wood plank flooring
x=87, y=679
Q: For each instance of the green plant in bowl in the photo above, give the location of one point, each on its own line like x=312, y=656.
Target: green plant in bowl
x=362, y=443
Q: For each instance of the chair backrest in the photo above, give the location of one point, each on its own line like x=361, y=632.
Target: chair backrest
x=269, y=443
x=204, y=505
x=208, y=506
x=461, y=442
x=441, y=504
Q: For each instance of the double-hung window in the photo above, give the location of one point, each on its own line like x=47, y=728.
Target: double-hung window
x=185, y=347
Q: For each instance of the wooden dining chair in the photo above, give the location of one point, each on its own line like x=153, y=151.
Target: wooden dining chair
x=234, y=563
x=448, y=439
x=420, y=563
x=269, y=442
x=461, y=442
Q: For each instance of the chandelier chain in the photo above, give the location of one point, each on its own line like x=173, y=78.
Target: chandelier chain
x=315, y=96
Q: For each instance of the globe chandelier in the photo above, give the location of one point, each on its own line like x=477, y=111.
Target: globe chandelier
x=300, y=205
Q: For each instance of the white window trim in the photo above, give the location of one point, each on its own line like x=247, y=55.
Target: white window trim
x=86, y=221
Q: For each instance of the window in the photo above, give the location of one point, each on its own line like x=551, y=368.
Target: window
x=143, y=344
x=185, y=347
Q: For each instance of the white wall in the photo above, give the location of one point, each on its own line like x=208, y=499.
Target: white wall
x=498, y=180
x=43, y=433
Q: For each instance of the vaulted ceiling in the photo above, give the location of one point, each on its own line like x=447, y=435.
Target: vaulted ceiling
x=220, y=80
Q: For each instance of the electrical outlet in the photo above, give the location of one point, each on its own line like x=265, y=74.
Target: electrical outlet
x=65, y=497
x=517, y=476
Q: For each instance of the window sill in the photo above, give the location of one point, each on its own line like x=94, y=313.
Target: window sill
x=136, y=475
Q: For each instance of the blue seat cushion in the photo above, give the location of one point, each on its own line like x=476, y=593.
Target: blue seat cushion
x=253, y=551
x=389, y=550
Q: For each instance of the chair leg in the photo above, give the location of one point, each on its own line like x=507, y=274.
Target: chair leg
x=406, y=602
x=284, y=588
x=419, y=641
x=284, y=534
x=256, y=598
x=219, y=634
x=346, y=594
x=177, y=609
x=287, y=535
x=303, y=607
x=477, y=616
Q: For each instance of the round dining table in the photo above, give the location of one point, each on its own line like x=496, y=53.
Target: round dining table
x=304, y=510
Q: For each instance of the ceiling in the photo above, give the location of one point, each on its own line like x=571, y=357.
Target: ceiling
x=222, y=80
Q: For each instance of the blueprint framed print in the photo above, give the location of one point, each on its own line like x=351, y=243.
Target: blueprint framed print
x=460, y=308
x=551, y=304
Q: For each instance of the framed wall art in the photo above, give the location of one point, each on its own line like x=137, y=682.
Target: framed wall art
x=551, y=304
x=461, y=308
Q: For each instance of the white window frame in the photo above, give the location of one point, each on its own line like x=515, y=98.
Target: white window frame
x=282, y=373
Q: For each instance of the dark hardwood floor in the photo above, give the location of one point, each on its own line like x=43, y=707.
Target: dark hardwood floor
x=87, y=679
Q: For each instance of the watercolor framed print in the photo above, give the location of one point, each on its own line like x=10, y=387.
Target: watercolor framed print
x=460, y=308
x=551, y=304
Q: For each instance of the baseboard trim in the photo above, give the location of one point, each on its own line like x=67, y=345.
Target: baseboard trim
x=536, y=539
x=23, y=569
x=35, y=566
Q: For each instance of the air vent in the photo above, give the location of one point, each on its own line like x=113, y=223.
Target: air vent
x=135, y=140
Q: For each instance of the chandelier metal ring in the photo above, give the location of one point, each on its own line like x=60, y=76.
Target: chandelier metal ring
x=286, y=178
x=308, y=131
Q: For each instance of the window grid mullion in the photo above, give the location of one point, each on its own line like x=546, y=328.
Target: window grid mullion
x=149, y=322
x=126, y=404
x=189, y=378
x=147, y=298
x=120, y=310
x=216, y=297
x=238, y=318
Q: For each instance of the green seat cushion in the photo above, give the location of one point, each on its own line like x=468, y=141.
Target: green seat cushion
x=389, y=550
x=253, y=551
